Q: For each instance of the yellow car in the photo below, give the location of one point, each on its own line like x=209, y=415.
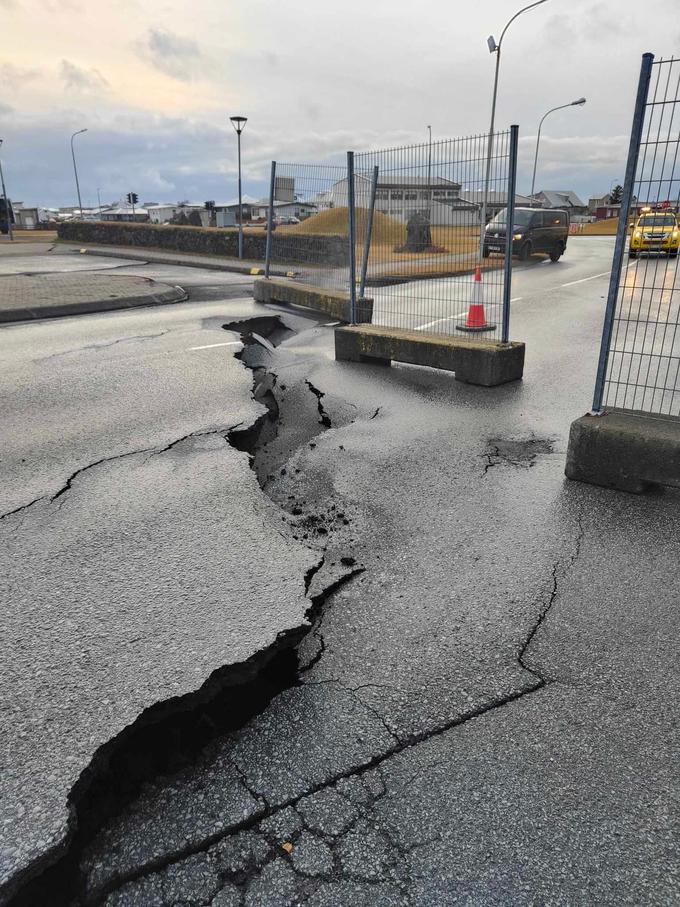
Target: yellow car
x=658, y=231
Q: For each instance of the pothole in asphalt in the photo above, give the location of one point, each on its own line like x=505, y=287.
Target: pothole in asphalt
x=521, y=452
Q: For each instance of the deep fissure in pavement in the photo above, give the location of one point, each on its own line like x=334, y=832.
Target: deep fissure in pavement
x=172, y=733
x=559, y=571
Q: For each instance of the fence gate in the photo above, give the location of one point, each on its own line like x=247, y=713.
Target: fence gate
x=632, y=437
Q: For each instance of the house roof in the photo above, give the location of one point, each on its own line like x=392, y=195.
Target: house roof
x=233, y=203
x=386, y=181
x=558, y=198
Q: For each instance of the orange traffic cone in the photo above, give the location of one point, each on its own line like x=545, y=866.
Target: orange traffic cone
x=476, y=316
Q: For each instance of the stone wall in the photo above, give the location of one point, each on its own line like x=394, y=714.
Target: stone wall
x=330, y=251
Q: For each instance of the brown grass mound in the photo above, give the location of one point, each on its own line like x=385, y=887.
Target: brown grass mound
x=606, y=227
x=335, y=221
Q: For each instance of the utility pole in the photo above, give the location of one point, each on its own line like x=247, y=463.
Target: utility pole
x=8, y=212
x=75, y=170
x=495, y=49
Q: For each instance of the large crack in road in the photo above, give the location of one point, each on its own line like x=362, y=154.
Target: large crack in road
x=173, y=731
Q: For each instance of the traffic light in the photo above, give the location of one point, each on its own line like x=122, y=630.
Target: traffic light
x=132, y=198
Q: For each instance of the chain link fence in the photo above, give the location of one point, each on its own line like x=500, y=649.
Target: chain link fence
x=427, y=268
x=639, y=366
x=307, y=228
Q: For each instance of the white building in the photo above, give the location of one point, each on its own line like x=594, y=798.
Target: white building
x=401, y=197
x=163, y=213
x=298, y=209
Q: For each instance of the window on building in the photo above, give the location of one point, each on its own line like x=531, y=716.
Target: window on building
x=381, y=194
x=410, y=195
x=397, y=194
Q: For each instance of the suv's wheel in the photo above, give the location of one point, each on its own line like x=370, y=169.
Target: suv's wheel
x=524, y=251
x=632, y=254
x=556, y=252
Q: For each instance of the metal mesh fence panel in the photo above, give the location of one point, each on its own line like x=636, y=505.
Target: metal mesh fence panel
x=310, y=227
x=641, y=342
x=425, y=239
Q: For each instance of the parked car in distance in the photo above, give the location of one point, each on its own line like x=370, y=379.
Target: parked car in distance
x=658, y=231
x=286, y=219
x=534, y=230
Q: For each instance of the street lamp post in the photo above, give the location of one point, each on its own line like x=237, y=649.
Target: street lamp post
x=495, y=48
x=578, y=103
x=8, y=213
x=75, y=169
x=429, y=174
x=239, y=125
x=99, y=202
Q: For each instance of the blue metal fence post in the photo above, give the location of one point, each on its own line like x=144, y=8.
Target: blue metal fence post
x=352, y=238
x=619, y=248
x=270, y=221
x=509, y=225
x=369, y=230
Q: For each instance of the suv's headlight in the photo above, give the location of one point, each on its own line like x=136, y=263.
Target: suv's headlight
x=517, y=236
x=637, y=234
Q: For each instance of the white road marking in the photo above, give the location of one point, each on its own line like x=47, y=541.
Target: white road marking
x=517, y=299
x=421, y=327
x=211, y=346
x=583, y=279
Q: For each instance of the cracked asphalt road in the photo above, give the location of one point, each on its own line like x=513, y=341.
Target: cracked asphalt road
x=486, y=715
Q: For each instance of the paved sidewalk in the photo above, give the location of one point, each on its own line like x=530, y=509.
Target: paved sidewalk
x=161, y=256
x=23, y=296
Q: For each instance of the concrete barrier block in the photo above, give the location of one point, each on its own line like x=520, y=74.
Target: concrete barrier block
x=484, y=362
x=331, y=302
x=628, y=451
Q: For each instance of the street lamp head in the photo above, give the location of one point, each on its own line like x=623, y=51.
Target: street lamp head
x=238, y=123
x=491, y=43
x=579, y=103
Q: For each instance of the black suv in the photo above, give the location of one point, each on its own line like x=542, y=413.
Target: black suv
x=543, y=230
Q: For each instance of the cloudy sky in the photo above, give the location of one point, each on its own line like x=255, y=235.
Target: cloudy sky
x=154, y=82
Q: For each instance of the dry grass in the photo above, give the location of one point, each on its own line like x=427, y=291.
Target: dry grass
x=32, y=236
x=389, y=234
x=335, y=222
x=607, y=227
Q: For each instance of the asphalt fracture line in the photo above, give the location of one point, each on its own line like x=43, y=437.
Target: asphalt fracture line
x=211, y=346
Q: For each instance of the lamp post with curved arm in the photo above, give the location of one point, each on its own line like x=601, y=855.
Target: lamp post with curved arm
x=578, y=103
x=75, y=169
x=496, y=48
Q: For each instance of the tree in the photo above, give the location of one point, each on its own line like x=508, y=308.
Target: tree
x=194, y=218
x=616, y=195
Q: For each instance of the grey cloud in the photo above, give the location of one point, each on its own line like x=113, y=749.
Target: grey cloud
x=14, y=77
x=80, y=79
x=171, y=54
